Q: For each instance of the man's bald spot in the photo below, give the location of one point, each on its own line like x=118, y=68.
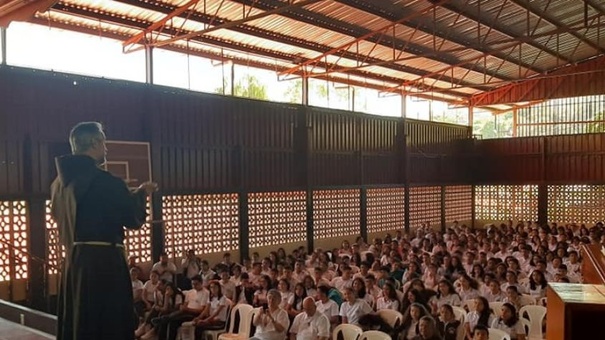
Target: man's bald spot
x=308, y=303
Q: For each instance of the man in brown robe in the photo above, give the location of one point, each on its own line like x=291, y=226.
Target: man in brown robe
x=92, y=207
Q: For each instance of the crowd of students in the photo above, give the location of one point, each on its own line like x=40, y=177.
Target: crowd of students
x=423, y=275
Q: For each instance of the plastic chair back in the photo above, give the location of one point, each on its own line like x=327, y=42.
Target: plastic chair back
x=374, y=335
x=497, y=334
x=536, y=315
x=347, y=332
x=391, y=317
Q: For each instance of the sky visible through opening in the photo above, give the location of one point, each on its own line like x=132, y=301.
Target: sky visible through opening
x=43, y=47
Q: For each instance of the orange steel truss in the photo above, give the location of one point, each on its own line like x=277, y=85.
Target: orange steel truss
x=13, y=10
x=554, y=85
x=148, y=38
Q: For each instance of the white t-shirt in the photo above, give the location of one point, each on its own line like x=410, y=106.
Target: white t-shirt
x=310, y=327
x=166, y=272
x=149, y=290
x=286, y=298
x=329, y=309
x=228, y=289
x=383, y=303
x=472, y=318
x=269, y=332
x=354, y=311
x=451, y=299
x=136, y=285
x=491, y=297
x=215, y=304
x=517, y=328
x=340, y=283
x=197, y=299
x=468, y=294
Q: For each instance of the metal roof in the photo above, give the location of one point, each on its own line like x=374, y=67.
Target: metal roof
x=446, y=50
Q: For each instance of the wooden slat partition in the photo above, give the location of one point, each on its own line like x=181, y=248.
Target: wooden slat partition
x=593, y=264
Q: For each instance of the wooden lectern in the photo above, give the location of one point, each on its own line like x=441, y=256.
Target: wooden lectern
x=577, y=311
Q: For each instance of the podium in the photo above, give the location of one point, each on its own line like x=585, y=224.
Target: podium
x=575, y=311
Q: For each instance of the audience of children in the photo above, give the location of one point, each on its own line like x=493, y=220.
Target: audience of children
x=423, y=276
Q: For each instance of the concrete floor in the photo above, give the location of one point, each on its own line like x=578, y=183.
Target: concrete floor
x=12, y=331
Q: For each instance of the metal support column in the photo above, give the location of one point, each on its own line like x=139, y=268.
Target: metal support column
x=3, y=44
x=443, y=221
x=149, y=65
x=244, y=222
x=406, y=164
x=232, y=85
x=158, y=235
x=471, y=117
x=473, y=213
x=542, y=187
x=363, y=205
x=515, y=122
x=38, y=270
x=305, y=91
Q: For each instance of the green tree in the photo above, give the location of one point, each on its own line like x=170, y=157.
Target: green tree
x=248, y=87
x=598, y=125
x=493, y=126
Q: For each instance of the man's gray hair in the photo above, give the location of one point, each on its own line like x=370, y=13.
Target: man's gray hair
x=84, y=135
x=275, y=293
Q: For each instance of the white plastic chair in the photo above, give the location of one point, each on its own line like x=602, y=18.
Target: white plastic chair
x=374, y=335
x=542, y=302
x=496, y=307
x=392, y=317
x=497, y=334
x=527, y=299
x=348, y=331
x=246, y=314
x=213, y=334
x=186, y=331
x=459, y=313
x=526, y=325
x=470, y=304
x=536, y=315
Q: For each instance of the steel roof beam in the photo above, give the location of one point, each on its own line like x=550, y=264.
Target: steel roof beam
x=577, y=79
x=225, y=25
x=399, y=12
x=554, y=22
x=345, y=28
x=142, y=24
x=596, y=5
x=289, y=40
x=505, y=31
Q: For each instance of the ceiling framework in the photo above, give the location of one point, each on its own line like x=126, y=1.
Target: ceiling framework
x=485, y=53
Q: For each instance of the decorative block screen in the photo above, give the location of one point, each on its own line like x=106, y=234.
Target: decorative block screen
x=138, y=242
x=336, y=213
x=458, y=203
x=206, y=223
x=576, y=204
x=15, y=232
x=277, y=218
x=53, y=249
x=385, y=209
x=425, y=206
x=504, y=202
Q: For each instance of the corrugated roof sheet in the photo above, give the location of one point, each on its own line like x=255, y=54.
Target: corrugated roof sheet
x=451, y=51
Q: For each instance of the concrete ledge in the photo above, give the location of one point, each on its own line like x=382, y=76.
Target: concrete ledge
x=28, y=317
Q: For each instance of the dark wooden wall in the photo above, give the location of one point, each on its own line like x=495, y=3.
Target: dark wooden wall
x=209, y=143
x=565, y=159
